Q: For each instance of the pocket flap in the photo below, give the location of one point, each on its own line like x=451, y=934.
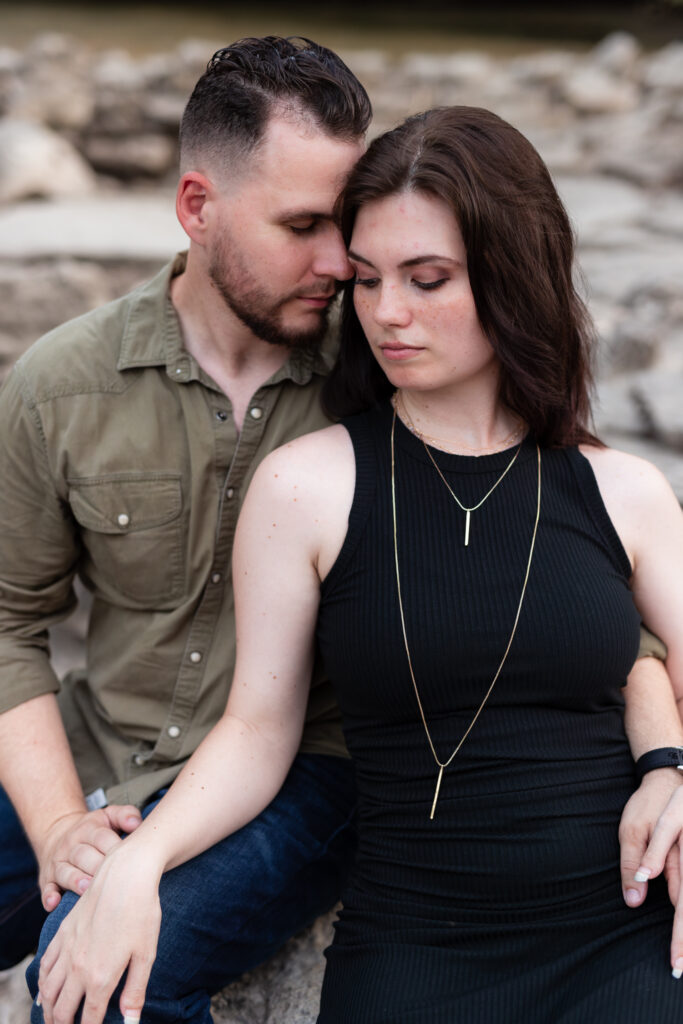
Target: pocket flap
x=126, y=502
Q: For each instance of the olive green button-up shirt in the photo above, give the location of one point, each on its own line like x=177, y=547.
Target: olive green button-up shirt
x=120, y=462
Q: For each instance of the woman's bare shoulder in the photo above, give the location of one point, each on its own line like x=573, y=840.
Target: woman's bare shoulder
x=314, y=459
x=626, y=477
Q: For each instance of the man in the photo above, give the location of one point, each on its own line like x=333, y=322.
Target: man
x=129, y=438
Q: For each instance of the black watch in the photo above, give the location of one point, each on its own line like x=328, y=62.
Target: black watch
x=662, y=757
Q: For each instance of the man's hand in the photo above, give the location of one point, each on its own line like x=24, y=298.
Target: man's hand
x=75, y=846
x=651, y=837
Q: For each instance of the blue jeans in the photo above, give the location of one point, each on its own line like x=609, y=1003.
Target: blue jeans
x=21, y=912
x=234, y=905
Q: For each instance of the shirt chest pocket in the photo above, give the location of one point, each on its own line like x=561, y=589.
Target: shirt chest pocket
x=131, y=531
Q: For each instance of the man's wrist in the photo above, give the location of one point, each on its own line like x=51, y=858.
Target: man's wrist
x=44, y=835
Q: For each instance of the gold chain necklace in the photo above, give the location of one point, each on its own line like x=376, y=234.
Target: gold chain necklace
x=473, y=508
x=444, y=764
x=505, y=442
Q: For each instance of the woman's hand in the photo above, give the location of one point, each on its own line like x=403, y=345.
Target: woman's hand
x=113, y=927
x=651, y=837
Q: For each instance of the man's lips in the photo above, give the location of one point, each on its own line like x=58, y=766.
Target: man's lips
x=396, y=351
x=317, y=301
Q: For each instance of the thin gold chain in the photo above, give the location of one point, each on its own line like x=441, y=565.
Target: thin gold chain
x=444, y=764
x=447, y=442
x=465, y=509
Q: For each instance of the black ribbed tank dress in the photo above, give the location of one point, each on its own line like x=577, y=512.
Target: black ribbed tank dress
x=507, y=907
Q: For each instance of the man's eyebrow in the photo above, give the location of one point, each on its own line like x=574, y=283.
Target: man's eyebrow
x=415, y=262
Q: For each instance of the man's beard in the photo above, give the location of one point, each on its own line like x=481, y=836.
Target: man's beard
x=256, y=308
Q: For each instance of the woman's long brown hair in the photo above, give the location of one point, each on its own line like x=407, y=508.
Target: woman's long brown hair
x=520, y=254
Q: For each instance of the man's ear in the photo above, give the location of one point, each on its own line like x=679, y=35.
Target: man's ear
x=195, y=190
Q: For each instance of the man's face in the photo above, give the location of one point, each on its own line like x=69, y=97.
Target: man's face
x=276, y=254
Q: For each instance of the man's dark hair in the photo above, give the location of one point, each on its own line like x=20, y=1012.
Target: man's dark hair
x=520, y=248
x=245, y=83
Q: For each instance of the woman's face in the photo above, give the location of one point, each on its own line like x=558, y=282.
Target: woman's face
x=412, y=294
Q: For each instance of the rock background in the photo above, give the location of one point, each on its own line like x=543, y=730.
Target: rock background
x=87, y=171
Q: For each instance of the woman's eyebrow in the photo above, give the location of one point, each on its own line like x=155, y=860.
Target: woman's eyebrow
x=416, y=261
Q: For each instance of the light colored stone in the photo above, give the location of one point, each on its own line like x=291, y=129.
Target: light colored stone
x=164, y=109
x=616, y=274
x=463, y=67
x=35, y=161
x=131, y=227
x=591, y=90
x=658, y=397
x=561, y=149
x=615, y=411
x=41, y=295
x=664, y=69
x=617, y=53
x=665, y=214
x=594, y=202
x=545, y=68
x=55, y=87
x=133, y=156
x=286, y=990
x=117, y=70
x=367, y=64
x=15, y=1002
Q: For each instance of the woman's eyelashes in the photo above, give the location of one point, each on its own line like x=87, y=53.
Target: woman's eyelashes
x=425, y=286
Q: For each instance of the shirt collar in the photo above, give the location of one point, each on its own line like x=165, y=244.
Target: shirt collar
x=152, y=337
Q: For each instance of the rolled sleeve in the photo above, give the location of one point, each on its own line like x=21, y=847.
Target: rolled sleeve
x=38, y=550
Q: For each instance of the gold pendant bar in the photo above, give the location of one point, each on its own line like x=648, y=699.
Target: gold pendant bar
x=436, y=792
x=467, y=528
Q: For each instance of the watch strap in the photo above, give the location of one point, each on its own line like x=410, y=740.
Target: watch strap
x=662, y=757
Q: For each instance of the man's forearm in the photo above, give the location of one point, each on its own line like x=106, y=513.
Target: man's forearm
x=36, y=766
x=651, y=717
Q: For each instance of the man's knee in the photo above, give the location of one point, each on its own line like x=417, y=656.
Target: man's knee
x=21, y=912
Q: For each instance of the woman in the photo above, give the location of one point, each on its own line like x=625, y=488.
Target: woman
x=463, y=548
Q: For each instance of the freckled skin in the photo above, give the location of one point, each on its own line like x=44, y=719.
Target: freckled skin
x=425, y=311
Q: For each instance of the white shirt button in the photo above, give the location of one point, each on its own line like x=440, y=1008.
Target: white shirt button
x=139, y=760
x=123, y=519
x=230, y=492
x=256, y=412
x=173, y=731
x=196, y=657
x=216, y=577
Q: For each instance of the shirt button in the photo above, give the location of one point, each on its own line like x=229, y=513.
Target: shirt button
x=139, y=760
x=196, y=657
x=230, y=492
x=216, y=577
x=173, y=731
x=256, y=412
x=221, y=415
x=123, y=519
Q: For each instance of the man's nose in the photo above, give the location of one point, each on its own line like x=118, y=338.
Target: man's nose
x=331, y=259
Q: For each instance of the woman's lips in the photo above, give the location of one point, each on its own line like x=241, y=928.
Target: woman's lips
x=396, y=351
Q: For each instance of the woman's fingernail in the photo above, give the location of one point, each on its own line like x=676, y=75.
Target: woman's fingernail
x=677, y=972
x=130, y=1018
x=632, y=896
x=39, y=1001
x=642, y=874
